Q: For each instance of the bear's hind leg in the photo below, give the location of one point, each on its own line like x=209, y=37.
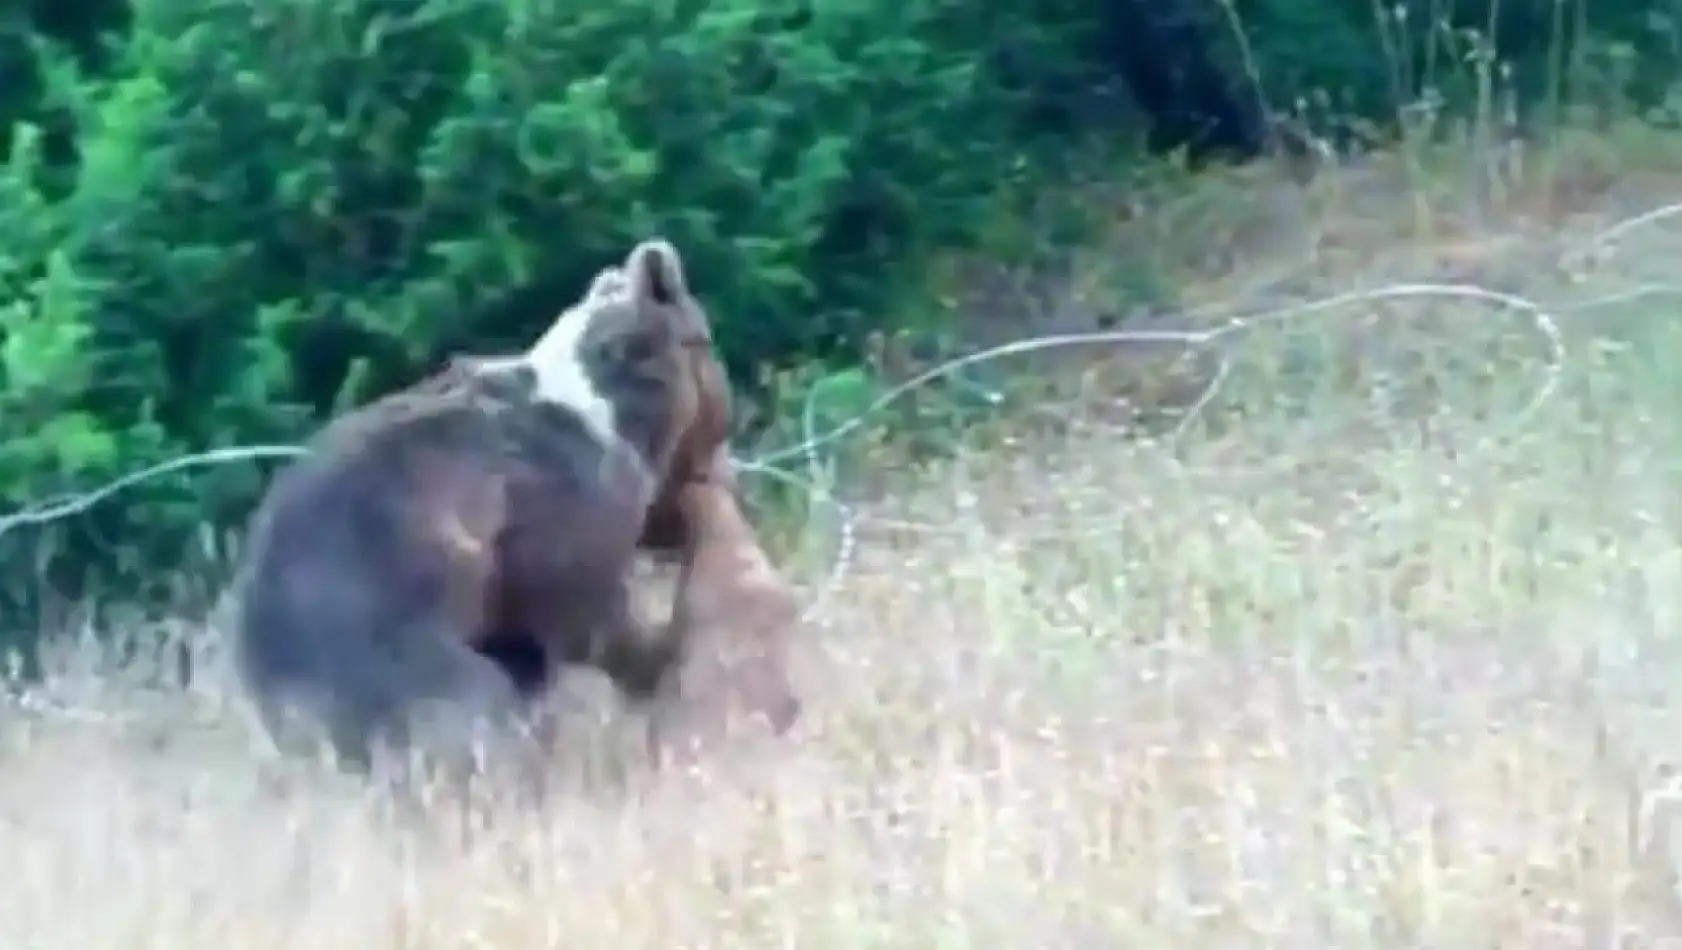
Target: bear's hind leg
x=636, y=658
x=466, y=720
x=593, y=625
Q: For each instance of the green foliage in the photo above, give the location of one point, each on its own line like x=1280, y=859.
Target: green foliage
x=281, y=209
x=1362, y=62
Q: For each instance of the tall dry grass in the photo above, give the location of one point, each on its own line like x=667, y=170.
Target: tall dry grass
x=1390, y=663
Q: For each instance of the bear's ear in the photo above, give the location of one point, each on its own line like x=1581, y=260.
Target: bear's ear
x=654, y=272
x=609, y=283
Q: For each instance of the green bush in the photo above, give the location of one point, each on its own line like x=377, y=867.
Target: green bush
x=1361, y=62
x=282, y=208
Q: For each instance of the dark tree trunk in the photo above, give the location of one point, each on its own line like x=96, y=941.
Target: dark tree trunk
x=1182, y=66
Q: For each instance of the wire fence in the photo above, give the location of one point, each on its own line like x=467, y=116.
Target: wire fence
x=809, y=465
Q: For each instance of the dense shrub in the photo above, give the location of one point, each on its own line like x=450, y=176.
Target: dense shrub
x=1360, y=62
x=287, y=206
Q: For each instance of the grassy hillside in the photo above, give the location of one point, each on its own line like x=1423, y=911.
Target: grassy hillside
x=1381, y=653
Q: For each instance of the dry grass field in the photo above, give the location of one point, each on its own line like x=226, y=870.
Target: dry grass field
x=1384, y=655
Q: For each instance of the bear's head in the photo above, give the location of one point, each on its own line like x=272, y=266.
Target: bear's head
x=634, y=359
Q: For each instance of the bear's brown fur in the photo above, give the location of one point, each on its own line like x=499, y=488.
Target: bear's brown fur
x=701, y=454
x=503, y=494
x=734, y=618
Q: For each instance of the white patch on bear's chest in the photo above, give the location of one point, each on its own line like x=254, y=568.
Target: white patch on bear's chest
x=557, y=360
x=557, y=363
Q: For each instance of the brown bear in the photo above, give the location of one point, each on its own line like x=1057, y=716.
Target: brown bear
x=732, y=620
x=701, y=453
x=505, y=494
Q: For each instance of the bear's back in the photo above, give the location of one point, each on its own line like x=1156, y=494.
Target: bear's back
x=467, y=451
x=357, y=502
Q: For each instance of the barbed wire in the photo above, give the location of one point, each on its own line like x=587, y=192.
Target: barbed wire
x=819, y=479
x=1603, y=239
x=1192, y=339
x=65, y=505
x=1575, y=259
x=851, y=521
x=818, y=485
